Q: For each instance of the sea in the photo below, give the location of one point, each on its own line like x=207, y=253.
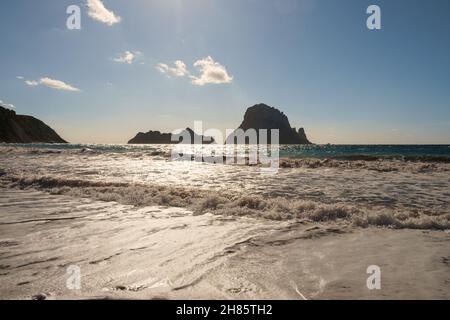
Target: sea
x=405, y=152
x=138, y=224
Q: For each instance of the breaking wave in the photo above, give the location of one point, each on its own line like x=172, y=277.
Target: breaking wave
x=33, y=149
x=413, y=164
x=221, y=203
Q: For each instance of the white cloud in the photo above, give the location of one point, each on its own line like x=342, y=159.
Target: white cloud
x=7, y=105
x=210, y=72
x=57, y=84
x=178, y=70
x=127, y=57
x=97, y=11
x=32, y=83
x=52, y=83
x=162, y=67
x=20, y=77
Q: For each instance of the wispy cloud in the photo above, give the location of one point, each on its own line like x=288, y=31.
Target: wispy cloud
x=209, y=71
x=127, y=57
x=97, y=11
x=57, y=84
x=20, y=77
x=32, y=83
x=162, y=67
x=52, y=83
x=7, y=105
x=178, y=70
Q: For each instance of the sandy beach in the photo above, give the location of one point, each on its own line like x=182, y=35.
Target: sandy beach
x=153, y=252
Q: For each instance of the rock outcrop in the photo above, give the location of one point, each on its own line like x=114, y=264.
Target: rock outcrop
x=156, y=137
x=25, y=129
x=262, y=116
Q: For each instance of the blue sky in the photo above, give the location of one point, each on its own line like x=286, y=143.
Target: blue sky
x=314, y=59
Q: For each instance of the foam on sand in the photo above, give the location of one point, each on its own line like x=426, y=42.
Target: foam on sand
x=153, y=252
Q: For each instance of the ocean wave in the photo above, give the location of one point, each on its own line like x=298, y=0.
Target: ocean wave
x=85, y=150
x=379, y=165
x=405, y=158
x=412, y=164
x=222, y=203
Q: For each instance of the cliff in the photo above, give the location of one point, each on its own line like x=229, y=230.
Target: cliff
x=25, y=129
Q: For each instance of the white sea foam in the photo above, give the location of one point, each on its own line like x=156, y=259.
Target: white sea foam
x=399, y=194
x=228, y=204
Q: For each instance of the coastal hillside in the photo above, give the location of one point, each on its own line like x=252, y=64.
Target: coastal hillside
x=25, y=129
x=262, y=116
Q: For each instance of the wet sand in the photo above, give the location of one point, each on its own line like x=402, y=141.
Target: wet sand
x=162, y=252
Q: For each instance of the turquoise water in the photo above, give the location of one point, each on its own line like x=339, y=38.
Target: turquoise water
x=367, y=152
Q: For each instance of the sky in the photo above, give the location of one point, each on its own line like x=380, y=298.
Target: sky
x=141, y=65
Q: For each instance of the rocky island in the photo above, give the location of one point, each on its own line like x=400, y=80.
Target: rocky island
x=259, y=116
x=157, y=137
x=262, y=116
x=25, y=129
